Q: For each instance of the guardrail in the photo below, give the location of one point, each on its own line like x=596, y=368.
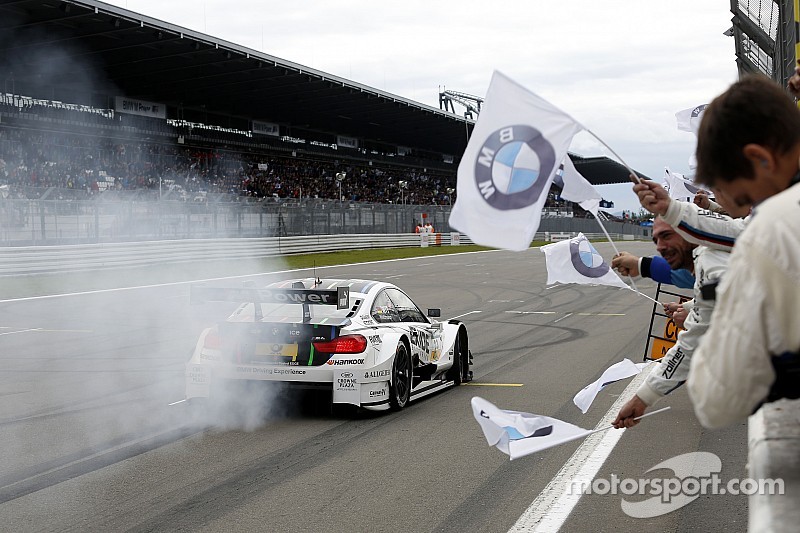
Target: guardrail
x=25, y=260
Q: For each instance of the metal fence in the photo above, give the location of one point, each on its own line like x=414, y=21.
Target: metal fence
x=25, y=222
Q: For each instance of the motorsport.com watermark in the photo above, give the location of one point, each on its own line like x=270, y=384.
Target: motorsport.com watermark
x=694, y=474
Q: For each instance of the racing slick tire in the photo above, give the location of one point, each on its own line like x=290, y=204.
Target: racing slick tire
x=400, y=389
x=456, y=372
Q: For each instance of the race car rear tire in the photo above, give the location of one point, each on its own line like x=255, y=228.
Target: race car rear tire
x=400, y=389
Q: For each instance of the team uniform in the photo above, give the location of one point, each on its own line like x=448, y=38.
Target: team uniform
x=673, y=368
x=754, y=324
x=703, y=227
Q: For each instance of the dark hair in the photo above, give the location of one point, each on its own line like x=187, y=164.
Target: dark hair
x=754, y=110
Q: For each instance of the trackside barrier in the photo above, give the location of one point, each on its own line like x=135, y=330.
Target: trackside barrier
x=69, y=258
x=23, y=260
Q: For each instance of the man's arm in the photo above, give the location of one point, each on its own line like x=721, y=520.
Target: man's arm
x=703, y=227
x=696, y=225
x=655, y=268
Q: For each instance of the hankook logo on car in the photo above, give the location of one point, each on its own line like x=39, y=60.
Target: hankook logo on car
x=345, y=362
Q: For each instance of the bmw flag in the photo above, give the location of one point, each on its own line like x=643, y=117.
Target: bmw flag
x=576, y=261
x=616, y=372
x=679, y=187
x=508, y=166
x=689, y=119
x=576, y=188
x=518, y=434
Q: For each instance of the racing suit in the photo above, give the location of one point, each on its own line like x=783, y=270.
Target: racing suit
x=674, y=366
x=703, y=227
x=755, y=317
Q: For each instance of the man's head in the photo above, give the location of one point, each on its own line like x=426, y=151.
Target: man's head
x=748, y=143
x=672, y=247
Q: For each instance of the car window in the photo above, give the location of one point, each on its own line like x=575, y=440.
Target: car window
x=408, y=310
x=384, y=310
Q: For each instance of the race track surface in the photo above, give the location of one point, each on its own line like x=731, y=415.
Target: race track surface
x=92, y=439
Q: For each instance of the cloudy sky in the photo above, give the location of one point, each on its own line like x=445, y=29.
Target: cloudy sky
x=622, y=68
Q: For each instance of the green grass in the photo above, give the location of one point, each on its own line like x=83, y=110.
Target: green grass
x=45, y=284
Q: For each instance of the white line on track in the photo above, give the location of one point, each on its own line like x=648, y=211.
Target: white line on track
x=101, y=291
x=21, y=331
x=562, y=318
x=465, y=314
x=551, y=508
x=176, y=403
x=532, y=313
x=395, y=276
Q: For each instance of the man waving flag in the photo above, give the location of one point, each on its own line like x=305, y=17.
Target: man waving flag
x=508, y=166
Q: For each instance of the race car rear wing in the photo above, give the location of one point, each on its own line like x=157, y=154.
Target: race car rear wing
x=340, y=297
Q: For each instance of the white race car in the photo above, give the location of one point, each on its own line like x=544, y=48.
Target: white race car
x=366, y=341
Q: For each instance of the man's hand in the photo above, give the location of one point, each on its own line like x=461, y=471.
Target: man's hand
x=701, y=200
x=652, y=196
x=794, y=82
x=676, y=312
x=634, y=408
x=626, y=264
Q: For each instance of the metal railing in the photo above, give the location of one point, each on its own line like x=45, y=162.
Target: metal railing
x=109, y=217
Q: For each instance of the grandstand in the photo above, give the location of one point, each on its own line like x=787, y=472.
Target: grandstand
x=101, y=102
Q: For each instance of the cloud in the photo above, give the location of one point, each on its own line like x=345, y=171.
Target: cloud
x=620, y=67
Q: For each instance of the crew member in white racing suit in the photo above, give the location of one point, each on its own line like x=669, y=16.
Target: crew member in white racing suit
x=717, y=234
x=748, y=146
x=673, y=368
x=734, y=370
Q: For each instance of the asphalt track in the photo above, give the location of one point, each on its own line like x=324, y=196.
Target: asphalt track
x=91, y=438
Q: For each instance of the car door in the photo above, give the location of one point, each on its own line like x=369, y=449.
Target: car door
x=426, y=341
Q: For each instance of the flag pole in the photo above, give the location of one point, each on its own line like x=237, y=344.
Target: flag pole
x=635, y=288
x=657, y=411
x=634, y=176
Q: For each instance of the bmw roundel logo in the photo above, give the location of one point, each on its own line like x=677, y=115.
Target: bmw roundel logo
x=586, y=260
x=512, y=167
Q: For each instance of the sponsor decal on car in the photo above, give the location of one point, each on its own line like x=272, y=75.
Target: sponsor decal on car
x=344, y=362
x=197, y=375
x=254, y=370
x=285, y=371
x=375, y=339
x=380, y=393
x=377, y=373
x=343, y=383
x=420, y=339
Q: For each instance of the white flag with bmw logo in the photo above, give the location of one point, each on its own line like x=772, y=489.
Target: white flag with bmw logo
x=519, y=434
x=576, y=188
x=576, y=261
x=508, y=166
x=678, y=186
x=689, y=119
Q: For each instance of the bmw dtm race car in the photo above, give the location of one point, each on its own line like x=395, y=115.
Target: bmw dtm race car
x=365, y=341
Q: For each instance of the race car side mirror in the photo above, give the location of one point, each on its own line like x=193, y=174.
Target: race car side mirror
x=434, y=313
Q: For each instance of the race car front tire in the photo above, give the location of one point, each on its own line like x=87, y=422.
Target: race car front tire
x=400, y=389
x=454, y=374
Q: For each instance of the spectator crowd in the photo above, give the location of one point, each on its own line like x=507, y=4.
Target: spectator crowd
x=35, y=159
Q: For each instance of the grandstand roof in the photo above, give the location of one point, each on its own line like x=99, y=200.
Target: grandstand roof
x=83, y=51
